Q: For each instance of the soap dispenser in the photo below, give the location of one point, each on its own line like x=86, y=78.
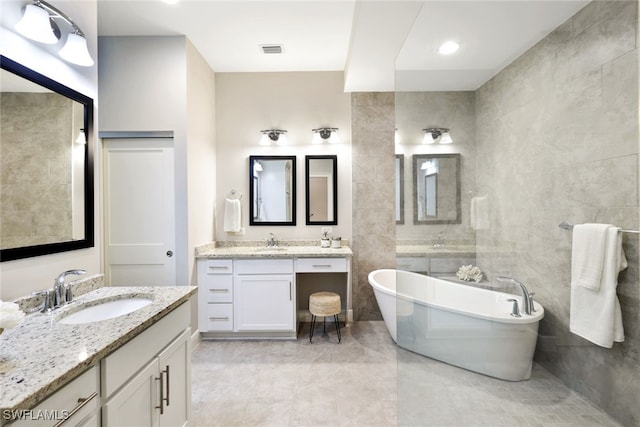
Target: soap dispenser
x=325, y=242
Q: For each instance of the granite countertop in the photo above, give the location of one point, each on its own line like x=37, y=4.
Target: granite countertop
x=40, y=355
x=258, y=249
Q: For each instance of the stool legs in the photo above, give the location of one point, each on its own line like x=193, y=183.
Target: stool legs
x=324, y=326
x=313, y=324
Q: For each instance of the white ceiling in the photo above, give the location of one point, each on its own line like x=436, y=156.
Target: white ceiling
x=380, y=45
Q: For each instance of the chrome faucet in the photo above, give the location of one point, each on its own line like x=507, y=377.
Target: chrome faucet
x=271, y=241
x=62, y=293
x=527, y=298
x=441, y=239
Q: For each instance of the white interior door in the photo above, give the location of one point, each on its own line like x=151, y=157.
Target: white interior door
x=139, y=211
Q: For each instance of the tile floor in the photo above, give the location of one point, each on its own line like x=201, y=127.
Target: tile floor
x=367, y=381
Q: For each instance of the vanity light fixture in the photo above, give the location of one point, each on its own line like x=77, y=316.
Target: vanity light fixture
x=329, y=135
x=276, y=136
x=37, y=23
x=440, y=135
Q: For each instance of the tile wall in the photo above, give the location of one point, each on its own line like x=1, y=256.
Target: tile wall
x=35, y=168
x=557, y=140
x=373, y=169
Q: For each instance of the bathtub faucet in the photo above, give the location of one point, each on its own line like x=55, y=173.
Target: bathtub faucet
x=527, y=298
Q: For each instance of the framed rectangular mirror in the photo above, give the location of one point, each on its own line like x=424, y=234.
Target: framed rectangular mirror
x=399, y=188
x=436, y=189
x=47, y=162
x=272, y=190
x=321, y=183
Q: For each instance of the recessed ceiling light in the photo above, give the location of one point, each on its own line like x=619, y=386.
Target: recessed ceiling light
x=449, y=47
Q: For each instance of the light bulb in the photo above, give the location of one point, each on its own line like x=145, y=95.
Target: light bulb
x=428, y=138
x=317, y=139
x=446, y=138
x=449, y=47
x=35, y=25
x=334, y=138
x=264, y=139
x=282, y=139
x=75, y=51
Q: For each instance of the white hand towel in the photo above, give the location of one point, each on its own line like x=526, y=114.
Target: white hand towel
x=232, y=215
x=588, y=254
x=479, y=213
x=595, y=313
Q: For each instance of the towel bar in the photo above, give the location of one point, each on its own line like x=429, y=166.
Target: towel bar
x=564, y=225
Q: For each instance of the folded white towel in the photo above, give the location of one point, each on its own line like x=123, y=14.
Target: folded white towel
x=479, y=213
x=588, y=254
x=232, y=215
x=595, y=309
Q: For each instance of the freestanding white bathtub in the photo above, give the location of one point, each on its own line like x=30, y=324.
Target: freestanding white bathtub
x=462, y=325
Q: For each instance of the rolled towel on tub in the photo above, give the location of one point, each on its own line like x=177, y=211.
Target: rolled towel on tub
x=597, y=259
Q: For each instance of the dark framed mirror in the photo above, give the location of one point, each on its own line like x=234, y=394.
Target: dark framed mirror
x=399, y=188
x=272, y=190
x=321, y=183
x=436, y=189
x=46, y=185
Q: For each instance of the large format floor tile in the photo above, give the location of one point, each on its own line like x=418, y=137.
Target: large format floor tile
x=367, y=381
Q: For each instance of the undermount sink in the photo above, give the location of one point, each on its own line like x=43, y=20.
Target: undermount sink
x=95, y=311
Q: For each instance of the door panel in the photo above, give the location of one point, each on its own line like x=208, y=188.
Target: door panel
x=139, y=211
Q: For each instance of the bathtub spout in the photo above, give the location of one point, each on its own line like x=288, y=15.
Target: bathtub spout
x=527, y=298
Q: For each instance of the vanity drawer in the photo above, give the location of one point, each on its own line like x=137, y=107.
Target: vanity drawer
x=219, y=288
x=219, y=266
x=264, y=266
x=219, y=317
x=320, y=265
x=75, y=400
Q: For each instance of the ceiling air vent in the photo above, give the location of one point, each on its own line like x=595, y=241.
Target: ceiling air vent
x=271, y=48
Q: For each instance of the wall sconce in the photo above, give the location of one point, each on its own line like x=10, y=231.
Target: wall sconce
x=432, y=134
x=37, y=23
x=276, y=136
x=81, y=139
x=329, y=135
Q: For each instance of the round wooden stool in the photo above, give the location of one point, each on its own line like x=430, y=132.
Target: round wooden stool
x=324, y=304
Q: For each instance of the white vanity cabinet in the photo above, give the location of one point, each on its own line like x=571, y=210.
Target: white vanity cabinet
x=242, y=294
x=76, y=404
x=264, y=295
x=147, y=381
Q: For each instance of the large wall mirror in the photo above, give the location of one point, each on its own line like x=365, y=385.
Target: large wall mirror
x=399, y=188
x=436, y=189
x=46, y=183
x=321, y=182
x=272, y=190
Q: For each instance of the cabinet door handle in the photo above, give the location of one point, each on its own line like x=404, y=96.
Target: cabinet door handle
x=168, y=385
x=219, y=318
x=161, y=379
x=290, y=292
x=81, y=403
x=214, y=290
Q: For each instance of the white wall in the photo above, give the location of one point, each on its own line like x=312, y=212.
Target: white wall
x=201, y=155
x=298, y=102
x=143, y=87
x=21, y=277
